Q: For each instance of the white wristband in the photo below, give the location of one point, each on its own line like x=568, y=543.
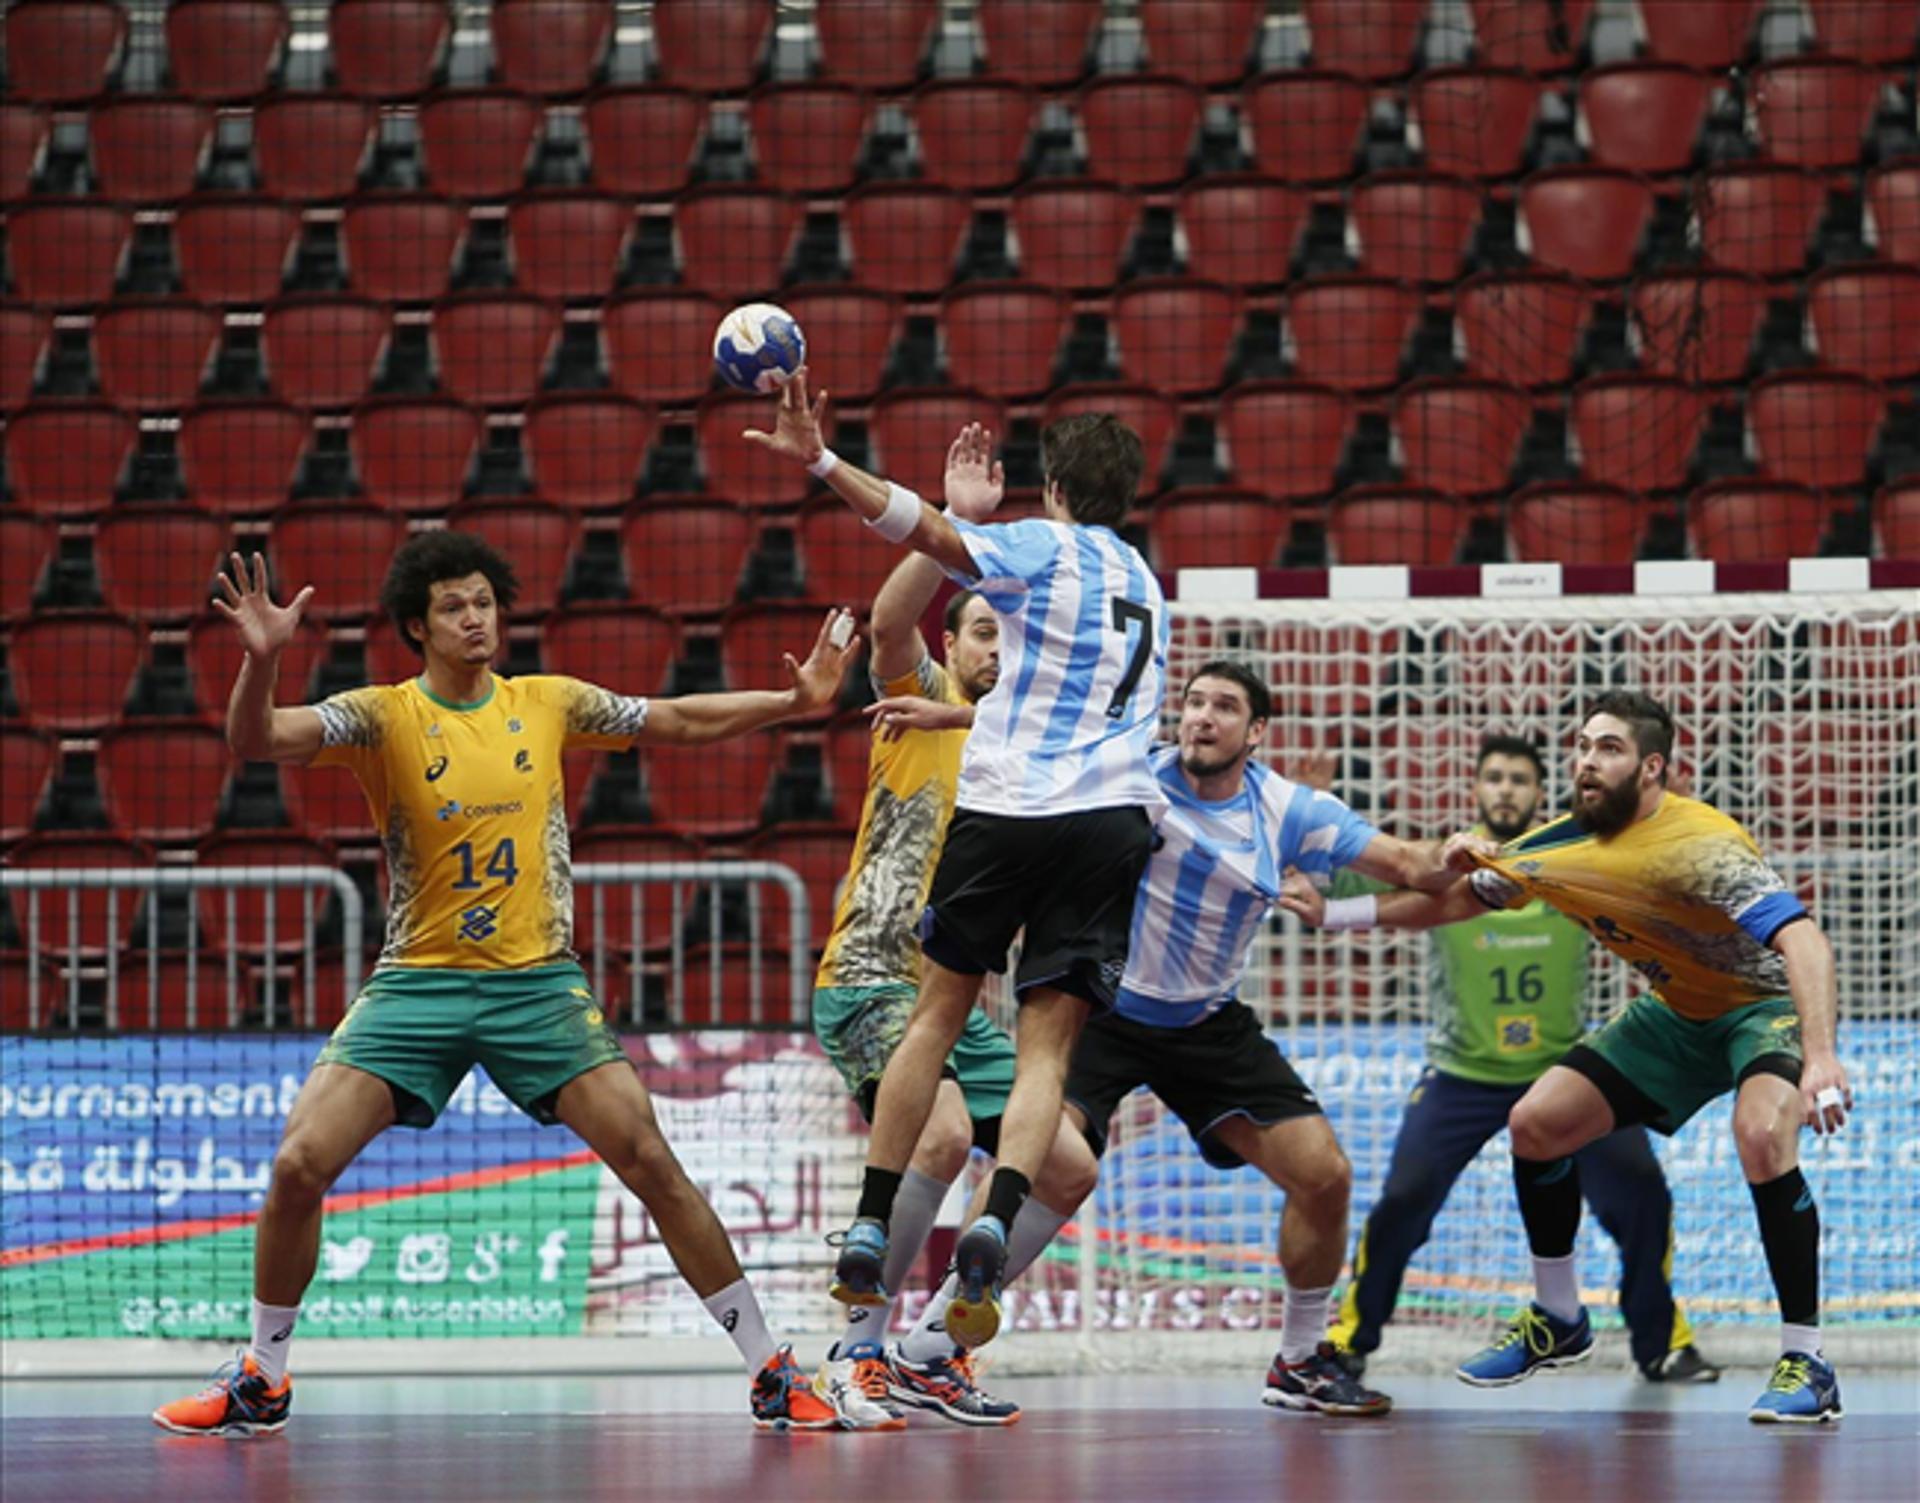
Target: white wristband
x=825, y=465
x=902, y=515
x=1352, y=913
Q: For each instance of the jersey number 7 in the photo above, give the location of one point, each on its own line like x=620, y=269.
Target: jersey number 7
x=1128, y=613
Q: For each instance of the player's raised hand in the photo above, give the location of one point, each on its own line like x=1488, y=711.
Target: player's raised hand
x=817, y=681
x=895, y=716
x=975, y=481
x=1314, y=769
x=797, y=424
x=264, y=628
x=1302, y=899
x=1461, y=852
x=1825, y=1096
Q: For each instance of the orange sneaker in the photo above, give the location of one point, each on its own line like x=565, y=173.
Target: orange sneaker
x=783, y=1397
x=236, y=1402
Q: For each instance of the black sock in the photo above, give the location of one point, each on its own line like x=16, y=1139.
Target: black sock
x=1549, y=1191
x=877, y=1191
x=1007, y=1193
x=1790, y=1232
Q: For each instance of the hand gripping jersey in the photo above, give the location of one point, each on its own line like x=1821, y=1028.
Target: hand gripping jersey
x=469, y=803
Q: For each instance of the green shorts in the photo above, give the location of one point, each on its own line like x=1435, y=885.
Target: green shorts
x=422, y=1029
x=860, y=1027
x=1670, y=1066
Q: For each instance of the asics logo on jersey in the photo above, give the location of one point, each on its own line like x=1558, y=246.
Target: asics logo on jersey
x=523, y=761
x=478, y=922
x=434, y=768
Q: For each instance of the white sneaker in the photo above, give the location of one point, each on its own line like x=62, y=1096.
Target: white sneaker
x=854, y=1386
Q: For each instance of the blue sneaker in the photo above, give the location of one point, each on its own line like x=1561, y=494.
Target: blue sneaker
x=979, y=1258
x=1803, y=1391
x=1534, y=1340
x=863, y=1256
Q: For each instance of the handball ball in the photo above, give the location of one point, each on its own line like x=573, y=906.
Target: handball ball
x=758, y=347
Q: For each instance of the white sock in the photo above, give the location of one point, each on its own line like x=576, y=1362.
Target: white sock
x=1034, y=1226
x=928, y=1341
x=1802, y=1339
x=1556, y=1289
x=272, y=1335
x=737, y=1308
x=1303, y=1322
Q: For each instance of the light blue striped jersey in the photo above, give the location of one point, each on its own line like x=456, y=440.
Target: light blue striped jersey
x=1083, y=668
x=1210, y=884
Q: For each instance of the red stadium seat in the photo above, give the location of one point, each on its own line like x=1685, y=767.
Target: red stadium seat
x=1139, y=127
x=24, y=333
x=1215, y=529
x=1522, y=327
x=843, y=562
x=147, y=150
x=660, y=343
x=26, y=545
x=326, y=803
x=642, y=139
x=310, y=146
x=616, y=928
x=539, y=538
x=911, y=431
x=152, y=355
x=1711, y=34
x=1563, y=523
x=1241, y=229
x=1698, y=326
x=905, y=236
x=627, y=648
x=1893, y=204
x=1637, y=432
x=1867, y=319
x=1896, y=519
x=71, y=673
x=1474, y=121
x=711, y=46
x=806, y=136
x=1001, y=337
x=320, y=351
x=224, y=49
x=105, y=920
x=1537, y=35
x=973, y=131
x=493, y=347
x=62, y=49
x=163, y=782
x=66, y=254
x=23, y=133
x=686, y=558
x=568, y=245
x=1038, y=42
x=1204, y=41
x=1815, y=428
x=734, y=240
x=1176, y=332
x=159, y=562
x=717, y=789
x=1413, y=226
x=550, y=46
x=819, y=855
x=476, y=143
x=1389, y=524
x=1755, y=521
x=586, y=447
x=742, y=471
x=1757, y=218
x=342, y=548
x=874, y=44
x=234, y=250
x=1868, y=30
x=387, y=49
x=213, y=658
x=401, y=249
x=241, y=457
x=27, y=761
x=251, y=933
x=1813, y=111
x=1072, y=234
x=1585, y=220
x=1306, y=125
x=413, y=453
x=1285, y=437
x=730, y=969
x=65, y=458
x=1151, y=413
x=1644, y=117
x=1349, y=331
x=850, y=329
x=1373, y=39
x=1459, y=436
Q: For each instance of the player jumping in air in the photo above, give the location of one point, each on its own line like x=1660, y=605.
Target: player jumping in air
x=1741, y=998
x=462, y=772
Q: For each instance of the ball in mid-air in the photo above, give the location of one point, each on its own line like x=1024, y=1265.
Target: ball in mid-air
x=758, y=347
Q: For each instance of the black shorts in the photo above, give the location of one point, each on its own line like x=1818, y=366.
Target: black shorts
x=1221, y=1067
x=1070, y=879
x=986, y=1130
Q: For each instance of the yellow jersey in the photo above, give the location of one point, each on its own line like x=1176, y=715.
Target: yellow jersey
x=1683, y=896
x=911, y=786
x=470, y=806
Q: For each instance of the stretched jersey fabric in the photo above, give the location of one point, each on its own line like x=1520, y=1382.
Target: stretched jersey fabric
x=1209, y=886
x=1083, y=666
x=1683, y=896
x=469, y=803
x=911, y=784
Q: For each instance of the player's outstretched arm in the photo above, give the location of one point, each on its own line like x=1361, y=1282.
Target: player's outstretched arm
x=1815, y=989
x=257, y=731
x=693, y=719
x=1387, y=910
x=894, y=716
x=896, y=513
x=1423, y=865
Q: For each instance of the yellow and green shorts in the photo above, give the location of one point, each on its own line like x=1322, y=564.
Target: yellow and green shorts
x=1658, y=1068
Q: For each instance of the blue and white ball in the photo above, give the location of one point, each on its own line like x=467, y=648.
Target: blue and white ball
x=758, y=347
